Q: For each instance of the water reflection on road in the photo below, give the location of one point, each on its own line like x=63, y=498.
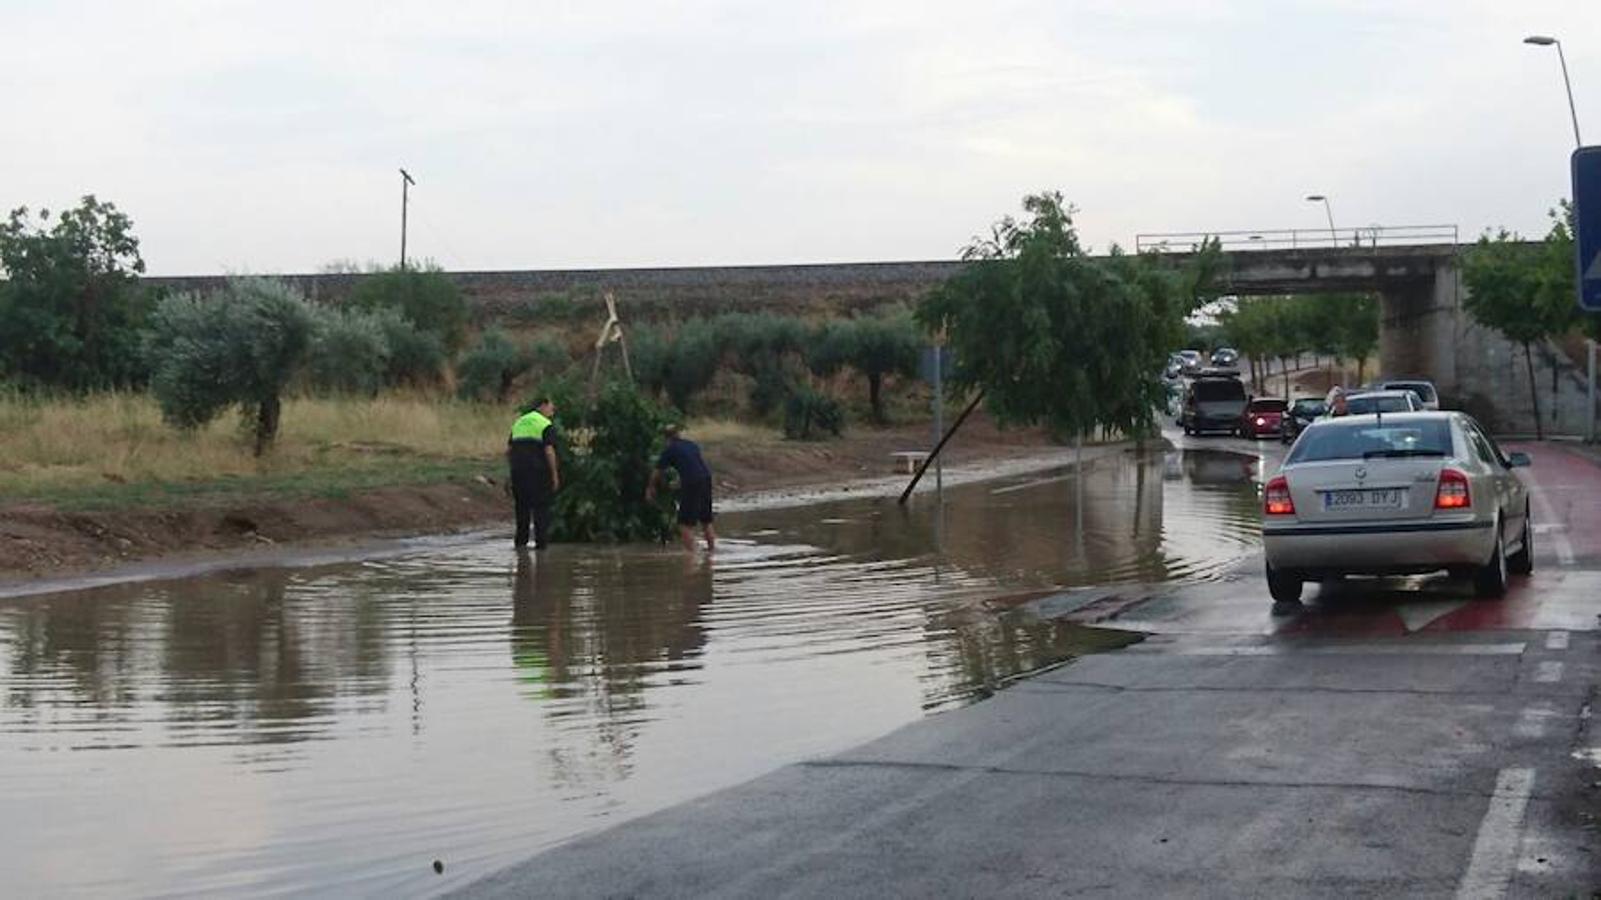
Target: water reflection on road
x=337, y=729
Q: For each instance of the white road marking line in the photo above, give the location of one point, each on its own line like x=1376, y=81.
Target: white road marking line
x=1495, y=849
x=1556, y=640
x=1544, y=512
x=1354, y=650
x=1549, y=673
x=1531, y=722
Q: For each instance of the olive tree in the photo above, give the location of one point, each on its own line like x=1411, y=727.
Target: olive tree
x=239, y=346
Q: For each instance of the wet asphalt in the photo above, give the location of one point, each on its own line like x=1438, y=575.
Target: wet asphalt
x=1395, y=737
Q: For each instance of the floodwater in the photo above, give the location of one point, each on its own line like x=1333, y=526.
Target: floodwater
x=337, y=729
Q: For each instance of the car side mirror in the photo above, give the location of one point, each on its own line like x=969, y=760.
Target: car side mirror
x=1518, y=461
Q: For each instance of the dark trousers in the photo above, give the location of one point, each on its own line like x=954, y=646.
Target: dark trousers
x=531, y=492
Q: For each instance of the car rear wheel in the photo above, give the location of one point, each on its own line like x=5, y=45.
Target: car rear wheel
x=1283, y=587
x=1489, y=580
x=1522, y=562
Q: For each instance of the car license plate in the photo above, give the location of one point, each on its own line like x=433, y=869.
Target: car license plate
x=1384, y=498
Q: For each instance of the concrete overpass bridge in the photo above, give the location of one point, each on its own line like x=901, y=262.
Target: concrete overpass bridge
x=1423, y=329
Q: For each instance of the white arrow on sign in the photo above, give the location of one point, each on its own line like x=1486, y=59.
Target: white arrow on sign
x=1594, y=272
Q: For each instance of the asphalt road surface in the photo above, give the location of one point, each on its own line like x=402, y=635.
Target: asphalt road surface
x=1396, y=737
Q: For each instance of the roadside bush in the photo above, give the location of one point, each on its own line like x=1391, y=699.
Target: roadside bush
x=606, y=466
x=349, y=353
x=490, y=367
x=238, y=346
x=416, y=357
x=648, y=351
x=809, y=415
x=691, y=362
x=547, y=357
x=426, y=298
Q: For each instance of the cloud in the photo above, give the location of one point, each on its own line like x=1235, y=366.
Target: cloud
x=265, y=136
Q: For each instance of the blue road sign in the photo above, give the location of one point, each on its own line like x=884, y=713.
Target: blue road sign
x=1587, y=224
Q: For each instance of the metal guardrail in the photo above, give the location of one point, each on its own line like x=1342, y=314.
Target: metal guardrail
x=1372, y=236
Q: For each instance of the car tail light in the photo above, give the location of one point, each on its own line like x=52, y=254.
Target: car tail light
x=1276, y=498
x=1453, y=492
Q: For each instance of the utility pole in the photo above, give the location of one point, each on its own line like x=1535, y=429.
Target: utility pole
x=405, y=185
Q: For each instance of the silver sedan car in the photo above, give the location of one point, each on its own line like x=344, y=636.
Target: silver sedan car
x=1391, y=494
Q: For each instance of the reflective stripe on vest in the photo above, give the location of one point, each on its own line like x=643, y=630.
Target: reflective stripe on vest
x=530, y=427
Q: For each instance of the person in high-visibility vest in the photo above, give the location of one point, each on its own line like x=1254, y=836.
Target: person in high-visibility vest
x=535, y=473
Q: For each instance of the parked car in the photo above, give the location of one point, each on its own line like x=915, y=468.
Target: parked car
x=1263, y=417
x=1213, y=401
x=1396, y=494
x=1303, y=412
x=1227, y=357
x=1175, y=366
x=1368, y=402
x=1424, y=389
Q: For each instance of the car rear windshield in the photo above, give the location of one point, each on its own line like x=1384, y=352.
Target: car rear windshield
x=1422, y=388
x=1212, y=389
x=1308, y=408
x=1359, y=406
x=1365, y=439
x=1277, y=406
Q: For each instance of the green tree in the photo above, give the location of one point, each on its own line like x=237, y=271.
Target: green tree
x=604, y=475
x=883, y=346
x=71, y=308
x=238, y=346
x=1523, y=290
x=416, y=357
x=1359, y=329
x=691, y=362
x=1055, y=337
x=426, y=297
x=490, y=367
x=349, y=352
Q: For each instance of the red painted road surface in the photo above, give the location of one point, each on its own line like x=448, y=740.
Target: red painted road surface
x=1563, y=593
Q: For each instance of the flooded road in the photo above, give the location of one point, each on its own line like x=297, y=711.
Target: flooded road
x=338, y=729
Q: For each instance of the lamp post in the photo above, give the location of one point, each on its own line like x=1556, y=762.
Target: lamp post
x=1319, y=198
x=1541, y=40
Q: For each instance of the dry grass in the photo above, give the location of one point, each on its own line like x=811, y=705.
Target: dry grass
x=47, y=446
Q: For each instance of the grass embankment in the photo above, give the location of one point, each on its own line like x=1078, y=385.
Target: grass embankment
x=113, y=450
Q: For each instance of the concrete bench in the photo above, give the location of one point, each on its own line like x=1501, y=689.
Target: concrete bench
x=908, y=460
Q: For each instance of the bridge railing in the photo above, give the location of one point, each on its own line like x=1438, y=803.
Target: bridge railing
x=1372, y=236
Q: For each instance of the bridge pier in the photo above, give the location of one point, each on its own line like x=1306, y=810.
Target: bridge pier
x=1418, y=327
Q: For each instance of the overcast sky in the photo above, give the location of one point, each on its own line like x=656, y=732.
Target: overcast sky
x=265, y=136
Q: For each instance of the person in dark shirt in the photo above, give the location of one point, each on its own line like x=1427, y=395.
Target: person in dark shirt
x=694, y=488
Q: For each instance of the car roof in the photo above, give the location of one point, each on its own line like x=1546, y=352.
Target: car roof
x=1399, y=418
x=1387, y=392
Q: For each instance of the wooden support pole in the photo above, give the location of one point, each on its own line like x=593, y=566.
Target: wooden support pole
x=934, y=454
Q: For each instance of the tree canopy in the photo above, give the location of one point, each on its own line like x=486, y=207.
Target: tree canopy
x=239, y=346
x=1525, y=290
x=71, y=306
x=1056, y=337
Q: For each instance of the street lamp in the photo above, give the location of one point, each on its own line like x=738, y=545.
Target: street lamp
x=1541, y=40
x=1319, y=198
